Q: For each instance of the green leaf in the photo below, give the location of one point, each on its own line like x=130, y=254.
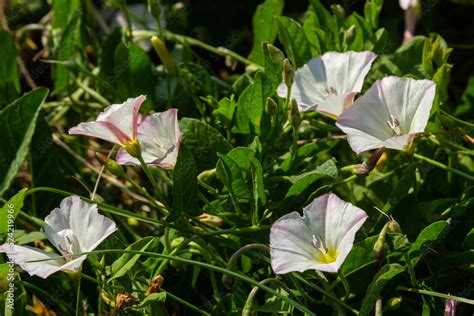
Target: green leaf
x=468, y=243
x=273, y=69
x=126, y=261
x=264, y=27
x=45, y=168
x=68, y=46
x=230, y=174
x=9, y=76
x=225, y=111
x=64, y=10
x=204, y=142
x=379, y=281
x=133, y=73
x=12, y=207
x=17, y=123
x=293, y=38
x=427, y=236
x=318, y=39
x=185, y=185
x=361, y=255
x=151, y=299
x=251, y=106
x=466, y=108
x=401, y=188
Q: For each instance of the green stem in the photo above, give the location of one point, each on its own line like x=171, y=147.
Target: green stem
x=443, y=166
x=221, y=51
x=328, y=294
x=205, y=266
x=109, y=208
x=347, y=288
x=146, y=194
x=148, y=174
x=436, y=294
x=78, y=297
x=411, y=271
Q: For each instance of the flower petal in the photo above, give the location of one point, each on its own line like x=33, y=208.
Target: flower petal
x=324, y=82
x=336, y=221
x=290, y=244
x=89, y=228
x=26, y=257
x=118, y=123
x=366, y=122
x=346, y=71
x=100, y=130
x=343, y=220
x=160, y=136
x=405, y=4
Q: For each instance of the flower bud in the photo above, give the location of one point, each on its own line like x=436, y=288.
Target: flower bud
x=271, y=107
x=394, y=227
x=394, y=303
x=276, y=55
x=294, y=115
x=288, y=73
x=349, y=35
x=133, y=148
x=165, y=56
x=111, y=165
x=207, y=175
x=379, y=247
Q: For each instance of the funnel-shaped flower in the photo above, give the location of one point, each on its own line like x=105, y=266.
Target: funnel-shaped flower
x=319, y=240
x=75, y=227
x=159, y=136
x=118, y=123
x=389, y=114
x=328, y=83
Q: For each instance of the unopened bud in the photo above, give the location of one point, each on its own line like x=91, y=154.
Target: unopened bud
x=271, y=107
x=294, y=115
x=349, y=35
x=133, y=148
x=379, y=247
x=165, y=56
x=111, y=165
x=207, y=175
x=288, y=73
x=394, y=303
x=210, y=219
x=394, y=227
x=276, y=55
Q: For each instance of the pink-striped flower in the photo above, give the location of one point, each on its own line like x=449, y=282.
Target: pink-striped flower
x=118, y=123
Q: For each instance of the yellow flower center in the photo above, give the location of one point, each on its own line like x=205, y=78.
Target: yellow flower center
x=322, y=254
x=328, y=256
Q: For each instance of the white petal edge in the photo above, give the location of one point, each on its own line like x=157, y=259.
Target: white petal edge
x=88, y=226
x=25, y=258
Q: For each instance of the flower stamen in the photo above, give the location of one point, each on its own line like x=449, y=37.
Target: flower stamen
x=394, y=125
x=331, y=91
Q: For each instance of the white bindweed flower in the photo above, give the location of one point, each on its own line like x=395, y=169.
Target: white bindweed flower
x=118, y=123
x=75, y=227
x=159, y=136
x=328, y=83
x=389, y=114
x=319, y=240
